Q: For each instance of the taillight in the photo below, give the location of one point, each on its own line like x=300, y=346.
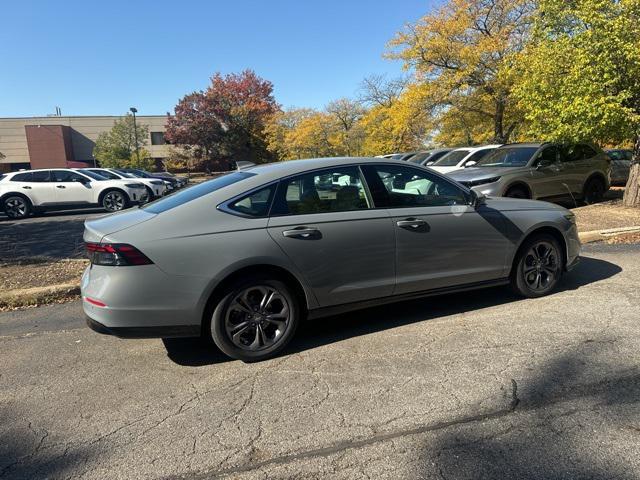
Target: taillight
x=115, y=254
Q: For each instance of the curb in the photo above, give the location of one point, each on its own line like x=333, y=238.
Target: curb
x=27, y=297
x=600, y=235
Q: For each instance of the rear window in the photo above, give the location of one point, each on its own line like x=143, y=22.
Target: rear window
x=191, y=193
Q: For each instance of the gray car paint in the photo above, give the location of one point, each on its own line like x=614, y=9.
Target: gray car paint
x=560, y=179
x=361, y=255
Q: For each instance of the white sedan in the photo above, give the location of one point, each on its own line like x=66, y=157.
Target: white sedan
x=461, y=158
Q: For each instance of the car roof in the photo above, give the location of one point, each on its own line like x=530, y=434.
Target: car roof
x=524, y=144
x=292, y=167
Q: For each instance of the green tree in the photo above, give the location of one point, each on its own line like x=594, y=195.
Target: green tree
x=117, y=147
x=580, y=76
x=462, y=52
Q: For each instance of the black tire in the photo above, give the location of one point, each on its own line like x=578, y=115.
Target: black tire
x=114, y=200
x=517, y=192
x=537, y=274
x=593, y=191
x=16, y=206
x=150, y=195
x=233, y=326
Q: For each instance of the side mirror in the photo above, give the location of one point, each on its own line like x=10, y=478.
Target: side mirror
x=477, y=199
x=470, y=163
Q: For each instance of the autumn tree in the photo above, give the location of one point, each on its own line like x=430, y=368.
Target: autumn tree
x=462, y=52
x=347, y=114
x=580, y=76
x=226, y=122
x=279, y=128
x=117, y=147
x=400, y=125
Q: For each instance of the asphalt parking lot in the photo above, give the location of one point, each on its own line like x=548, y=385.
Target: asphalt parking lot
x=54, y=234
x=472, y=385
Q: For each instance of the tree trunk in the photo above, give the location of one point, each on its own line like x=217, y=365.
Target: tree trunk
x=632, y=191
x=498, y=122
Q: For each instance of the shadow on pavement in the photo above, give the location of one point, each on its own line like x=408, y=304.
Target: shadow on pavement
x=592, y=398
x=198, y=352
x=54, y=238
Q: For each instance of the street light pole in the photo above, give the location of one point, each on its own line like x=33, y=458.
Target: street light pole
x=135, y=133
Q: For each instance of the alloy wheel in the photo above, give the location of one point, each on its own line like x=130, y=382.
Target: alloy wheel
x=257, y=318
x=541, y=266
x=15, y=207
x=113, y=201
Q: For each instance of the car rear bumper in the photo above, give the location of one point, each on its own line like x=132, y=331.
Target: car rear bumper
x=166, y=331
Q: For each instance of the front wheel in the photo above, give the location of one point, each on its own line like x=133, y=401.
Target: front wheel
x=255, y=319
x=16, y=207
x=538, y=267
x=593, y=191
x=114, y=201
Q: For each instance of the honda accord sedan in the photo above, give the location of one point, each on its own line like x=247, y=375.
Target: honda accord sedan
x=244, y=258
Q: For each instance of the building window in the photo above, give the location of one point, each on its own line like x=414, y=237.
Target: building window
x=157, y=138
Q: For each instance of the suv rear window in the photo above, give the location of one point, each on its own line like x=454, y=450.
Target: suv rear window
x=21, y=177
x=191, y=193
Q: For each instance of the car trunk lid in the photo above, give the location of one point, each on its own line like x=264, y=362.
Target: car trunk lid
x=96, y=229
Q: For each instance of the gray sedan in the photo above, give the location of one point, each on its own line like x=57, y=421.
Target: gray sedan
x=244, y=258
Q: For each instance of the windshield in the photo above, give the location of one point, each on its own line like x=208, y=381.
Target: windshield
x=508, y=157
x=126, y=174
x=419, y=157
x=197, y=191
x=139, y=174
x=106, y=174
x=92, y=175
x=451, y=159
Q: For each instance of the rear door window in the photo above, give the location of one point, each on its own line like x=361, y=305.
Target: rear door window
x=338, y=189
x=22, y=177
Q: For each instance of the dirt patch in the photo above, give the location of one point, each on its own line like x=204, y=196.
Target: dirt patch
x=38, y=281
x=36, y=272
x=624, y=238
x=606, y=215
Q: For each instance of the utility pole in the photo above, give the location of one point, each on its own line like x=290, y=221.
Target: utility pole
x=134, y=110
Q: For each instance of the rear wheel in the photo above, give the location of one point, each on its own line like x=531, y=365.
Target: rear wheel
x=16, y=206
x=593, y=191
x=114, y=201
x=538, y=267
x=517, y=192
x=255, y=319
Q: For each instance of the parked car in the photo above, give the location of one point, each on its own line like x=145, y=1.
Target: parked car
x=24, y=192
x=430, y=156
x=172, y=183
x=243, y=258
x=461, y=158
x=155, y=187
x=620, y=165
x=405, y=156
x=545, y=171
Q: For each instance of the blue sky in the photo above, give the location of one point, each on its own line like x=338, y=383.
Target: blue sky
x=94, y=58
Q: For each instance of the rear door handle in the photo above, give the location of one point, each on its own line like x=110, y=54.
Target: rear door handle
x=302, y=232
x=26, y=187
x=60, y=186
x=411, y=223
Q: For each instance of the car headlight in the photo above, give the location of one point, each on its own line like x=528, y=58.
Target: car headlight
x=484, y=181
x=134, y=185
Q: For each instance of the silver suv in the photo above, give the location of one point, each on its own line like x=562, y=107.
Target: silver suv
x=541, y=171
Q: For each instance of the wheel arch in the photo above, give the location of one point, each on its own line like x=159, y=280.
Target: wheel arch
x=278, y=272
x=544, y=229
x=15, y=194
x=518, y=184
x=595, y=175
x=112, y=189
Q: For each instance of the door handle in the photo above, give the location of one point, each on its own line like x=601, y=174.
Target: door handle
x=60, y=186
x=26, y=187
x=302, y=232
x=411, y=223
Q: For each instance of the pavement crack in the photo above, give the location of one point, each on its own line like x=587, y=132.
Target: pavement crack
x=515, y=401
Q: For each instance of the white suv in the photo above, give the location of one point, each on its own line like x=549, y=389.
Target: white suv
x=59, y=188
x=155, y=187
x=461, y=158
